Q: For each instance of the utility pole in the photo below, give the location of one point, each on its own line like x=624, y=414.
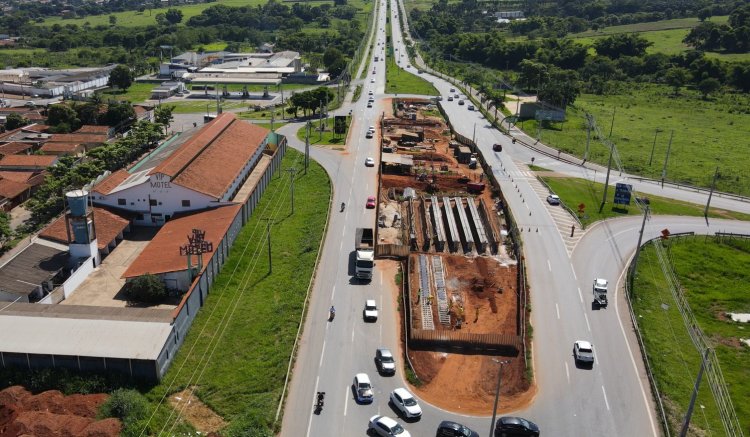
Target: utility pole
x=588, y=138
x=497, y=394
x=474, y=135
x=283, y=116
x=666, y=159
x=292, y=171
x=653, y=146
x=320, y=138
x=273, y=112
x=268, y=235
x=710, y=194
x=606, y=182
x=612, y=125
x=640, y=239
x=689, y=414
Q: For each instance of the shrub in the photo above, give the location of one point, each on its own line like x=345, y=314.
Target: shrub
x=146, y=288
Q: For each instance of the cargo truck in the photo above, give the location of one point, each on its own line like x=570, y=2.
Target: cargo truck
x=600, y=292
x=364, y=245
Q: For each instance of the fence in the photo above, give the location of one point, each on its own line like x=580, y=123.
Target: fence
x=505, y=344
x=392, y=251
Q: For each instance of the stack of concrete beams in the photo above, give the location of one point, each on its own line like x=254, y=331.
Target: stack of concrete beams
x=454, y=240
x=480, y=242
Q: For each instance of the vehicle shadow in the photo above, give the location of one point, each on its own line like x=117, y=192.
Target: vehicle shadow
x=582, y=365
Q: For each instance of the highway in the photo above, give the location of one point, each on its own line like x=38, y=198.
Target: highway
x=612, y=398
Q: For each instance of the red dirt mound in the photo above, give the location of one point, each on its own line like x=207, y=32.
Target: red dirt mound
x=52, y=414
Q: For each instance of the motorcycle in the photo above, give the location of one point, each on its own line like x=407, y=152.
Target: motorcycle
x=343, y=205
x=331, y=314
x=319, y=402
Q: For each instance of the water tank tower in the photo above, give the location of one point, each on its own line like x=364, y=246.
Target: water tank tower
x=79, y=222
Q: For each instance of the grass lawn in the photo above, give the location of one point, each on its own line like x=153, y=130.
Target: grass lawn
x=276, y=125
x=357, y=92
x=137, y=92
x=574, y=191
x=398, y=81
x=244, y=376
x=327, y=138
x=707, y=134
x=147, y=17
x=711, y=284
x=264, y=114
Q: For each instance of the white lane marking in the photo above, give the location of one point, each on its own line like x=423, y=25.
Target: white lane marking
x=580, y=296
x=341, y=246
x=587, y=321
x=352, y=336
x=381, y=334
x=549, y=266
x=333, y=293
x=557, y=309
x=309, y=422
x=343, y=233
x=567, y=372
x=574, y=275
x=322, y=354
x=630, y=352
x=605, y=398
x=381, y=277
x=346, y=401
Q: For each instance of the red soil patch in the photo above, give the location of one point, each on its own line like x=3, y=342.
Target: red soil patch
x=52, y=414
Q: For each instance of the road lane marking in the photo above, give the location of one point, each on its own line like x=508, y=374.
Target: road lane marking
x=322, y=354
x=315, y=393
x=333, y=293
x=352, y=336
x=580, y=296
x=574, y=275
x=605, y=398
x=587, y=321
x=381, y=334
x=557, y=309
x=567, y=372
x=346, y=399
x=549, y=266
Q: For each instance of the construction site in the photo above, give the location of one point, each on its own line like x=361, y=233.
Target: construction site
x=464, y=306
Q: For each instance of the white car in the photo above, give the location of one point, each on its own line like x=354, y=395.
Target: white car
x=386, y=427
x=370, y=93
x=553, y=199
x=363, y=388
x=583, y=351
x=370, y=312
x=372, y=80
x=406, y=403
x=369, y=162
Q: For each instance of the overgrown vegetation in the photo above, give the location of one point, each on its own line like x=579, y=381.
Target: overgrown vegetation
x=128, y=405
x=712, y=285
x=146, y=288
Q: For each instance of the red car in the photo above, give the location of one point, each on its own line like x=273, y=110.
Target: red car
x=370, y=202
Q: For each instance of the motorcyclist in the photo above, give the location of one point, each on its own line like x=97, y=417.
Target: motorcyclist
x=332, y=310
x=343, y=205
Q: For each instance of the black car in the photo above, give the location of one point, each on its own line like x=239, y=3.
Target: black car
x=515, y=426
x=453, y=429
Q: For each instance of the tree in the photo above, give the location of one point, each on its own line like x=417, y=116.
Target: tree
x=121, y=77
x=112, y=20
x=705, y=13
x=146, y=288
x=337, y=67
x=118, y=113
x=161, y=19
x=677, y=77
x=5, y=231
x=561, y=88
x=624, y=44
x=14, y=121
x=708, y=86
x=173, y=16
x=163, y=115
x=63, y=115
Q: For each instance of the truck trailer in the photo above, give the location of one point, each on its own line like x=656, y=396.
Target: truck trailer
x=600, y=292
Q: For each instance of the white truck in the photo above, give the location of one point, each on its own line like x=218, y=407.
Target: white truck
x=600, y=292
x=364, y=245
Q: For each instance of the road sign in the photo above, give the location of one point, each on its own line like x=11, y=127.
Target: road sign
x=622, y=194
x=665, y=234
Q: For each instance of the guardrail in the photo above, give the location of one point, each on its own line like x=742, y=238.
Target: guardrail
x=501, y=343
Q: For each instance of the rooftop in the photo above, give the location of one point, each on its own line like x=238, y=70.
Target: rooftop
x=81, y=138
x=27, y=270
x=10, y=188
x=212, y=158
x=25, y=161
x=108, y=225
x=92, y=129
x=14, y=148
x=111, y=182
x=61, y=148
x=162, y=255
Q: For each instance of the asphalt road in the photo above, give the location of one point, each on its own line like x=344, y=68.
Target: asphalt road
x=612, y=398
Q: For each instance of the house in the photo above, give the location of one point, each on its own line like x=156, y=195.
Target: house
x=90, y=129
x=13, y=193
x=167, y=89
x=203, y=167
x=86, y=141
x=63, y=149
x=27, y=162
x=16, y=148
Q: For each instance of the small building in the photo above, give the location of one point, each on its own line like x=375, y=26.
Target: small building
x=463, y=154
x=110, y=229
x=162, y=256
x=32, y=273
x=16, y=148
x=27, y=162
x=87, y=141
x=90, y=129
x=13, y=193
x=167, y=89
x=63, y=149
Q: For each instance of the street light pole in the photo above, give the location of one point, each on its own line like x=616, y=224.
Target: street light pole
x=497, y=394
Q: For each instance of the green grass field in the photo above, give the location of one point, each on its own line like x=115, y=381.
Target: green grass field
x=325, y=138
x=574, y=191
x=711, y=283
x=398, y=81
x=245, y=374
x=707, y=134
x=137, y=92
x=666, y=36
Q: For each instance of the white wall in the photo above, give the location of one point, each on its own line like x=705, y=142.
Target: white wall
x=80, y=275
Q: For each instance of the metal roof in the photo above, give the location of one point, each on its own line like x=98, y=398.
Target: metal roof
x=30, y=268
